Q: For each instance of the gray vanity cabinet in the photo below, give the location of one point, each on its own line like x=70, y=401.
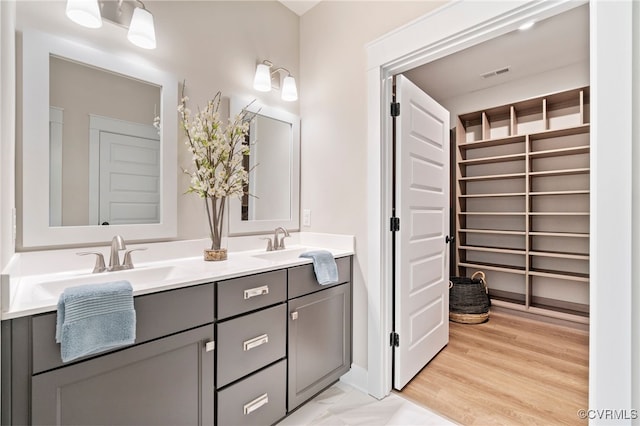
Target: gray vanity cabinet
x=319, y=326
x=280, y=338
x=165, y=378
x=165, y=382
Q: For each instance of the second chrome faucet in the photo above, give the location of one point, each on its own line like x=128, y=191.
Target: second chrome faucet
x=277, y=244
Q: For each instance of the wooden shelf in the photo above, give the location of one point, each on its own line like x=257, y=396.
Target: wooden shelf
x=493, y=177
x=507, y=296
x=493, y=250
x=494, y=267
x=559, y=213
x=562, y=313
x=560, y=152
x=581, y=318
x=578, y=192
x=492, y=213
x=563, y=275
x=506, y=194
x=559, y=234
x=495, y=159
x=492, y=231
x=532, y=163
x=560, y=255
x=557, y=133
x=579, y=171
x=486, y=143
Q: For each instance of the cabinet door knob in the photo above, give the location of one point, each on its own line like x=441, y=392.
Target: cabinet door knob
x=294, y=315
x=209, y=346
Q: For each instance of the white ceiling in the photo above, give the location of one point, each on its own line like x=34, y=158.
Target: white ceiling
x=553, y=43
x=300, y=7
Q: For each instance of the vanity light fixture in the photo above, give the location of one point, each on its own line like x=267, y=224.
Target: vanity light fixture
x=84, y=12
x=141, y=30
x=266, y=79
x=129, y=14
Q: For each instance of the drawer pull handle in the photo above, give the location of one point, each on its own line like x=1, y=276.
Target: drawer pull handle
x=255, y=342
x=294, y=315
x=209, y=346
x=252, y=406
x=258, y=291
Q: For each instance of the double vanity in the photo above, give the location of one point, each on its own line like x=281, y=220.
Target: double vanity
x=240, y=342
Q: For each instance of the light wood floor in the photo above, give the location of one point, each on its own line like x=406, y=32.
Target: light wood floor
x=509, y=371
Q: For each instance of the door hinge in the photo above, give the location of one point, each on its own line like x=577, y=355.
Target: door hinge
x=395, y=224
x=395, y=339
x=395, y=109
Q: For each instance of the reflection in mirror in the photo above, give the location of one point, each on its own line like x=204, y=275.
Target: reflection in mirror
x=274, y=172
x=269, y=169
x=62, y=194
x=107, y=164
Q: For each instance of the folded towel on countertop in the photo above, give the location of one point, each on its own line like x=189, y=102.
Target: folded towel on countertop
x=95, y=317
x=324, y=265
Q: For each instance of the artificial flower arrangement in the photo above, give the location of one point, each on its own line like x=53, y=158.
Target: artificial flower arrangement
x=218, y=151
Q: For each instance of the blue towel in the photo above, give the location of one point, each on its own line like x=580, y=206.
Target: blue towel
x=324, y=265
x=95, y=317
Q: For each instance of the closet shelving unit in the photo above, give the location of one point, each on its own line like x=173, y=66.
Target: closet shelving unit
x=522, y=203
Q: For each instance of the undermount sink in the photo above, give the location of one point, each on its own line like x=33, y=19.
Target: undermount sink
x=141, y=275
x=282, y=255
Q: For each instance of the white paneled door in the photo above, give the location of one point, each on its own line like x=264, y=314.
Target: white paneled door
x=421, y=318
x=129, y=179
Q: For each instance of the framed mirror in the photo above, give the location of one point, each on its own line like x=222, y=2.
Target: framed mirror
x=99, y=145
x=273, y=163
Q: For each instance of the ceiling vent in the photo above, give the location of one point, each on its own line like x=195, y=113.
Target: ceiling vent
x=495, y=72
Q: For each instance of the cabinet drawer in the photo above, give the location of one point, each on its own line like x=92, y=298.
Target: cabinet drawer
x=157, y=315
x=257, y=400
x=245, y=294
x=302, y=279
x=249, y=342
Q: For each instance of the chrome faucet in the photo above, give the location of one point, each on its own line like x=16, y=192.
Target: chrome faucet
x=117, y=244
x=279, y=244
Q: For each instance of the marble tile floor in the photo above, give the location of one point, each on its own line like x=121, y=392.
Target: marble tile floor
x=343, y=405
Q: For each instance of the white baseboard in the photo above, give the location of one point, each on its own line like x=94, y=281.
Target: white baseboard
x=357, y=377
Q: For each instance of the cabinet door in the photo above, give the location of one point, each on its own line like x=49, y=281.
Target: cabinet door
x=319, y=341
x=165, y=382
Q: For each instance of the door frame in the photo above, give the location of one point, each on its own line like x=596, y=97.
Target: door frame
x=456, y=26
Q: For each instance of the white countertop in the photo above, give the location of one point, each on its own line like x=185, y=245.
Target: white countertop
x=33, y=288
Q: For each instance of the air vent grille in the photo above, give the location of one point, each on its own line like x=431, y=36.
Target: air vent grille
x=495, y=72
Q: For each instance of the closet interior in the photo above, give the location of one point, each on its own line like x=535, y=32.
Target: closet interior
x=522, y=202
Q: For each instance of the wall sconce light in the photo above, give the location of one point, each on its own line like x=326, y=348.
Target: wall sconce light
x=266, y=79
x=132, y=15
x=85, y=13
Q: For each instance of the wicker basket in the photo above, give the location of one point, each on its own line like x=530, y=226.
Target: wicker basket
x=469, y=299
